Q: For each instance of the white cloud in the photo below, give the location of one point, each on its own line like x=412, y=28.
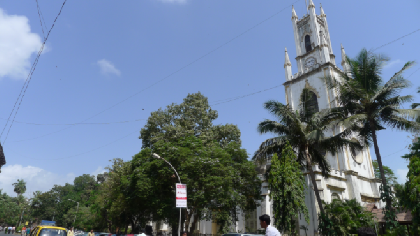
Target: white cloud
x=174, y=1
x=392, y=63
x=107, y=68
x=99, y=170
x=35, y=178
x=17, y=44
x=402, y=175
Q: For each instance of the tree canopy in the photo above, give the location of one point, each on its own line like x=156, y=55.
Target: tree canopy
x=287, y=186
x=193, y=116
x=389, y=174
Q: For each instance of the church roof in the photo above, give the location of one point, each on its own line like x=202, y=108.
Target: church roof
x=402, y=217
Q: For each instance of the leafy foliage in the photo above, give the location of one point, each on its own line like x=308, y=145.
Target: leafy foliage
x=20, y=187
x=219, y=180
x=411, y=194
x=193, y=117
x=307, y=135
x=389, y=174
x=287, y=190
x=344, y=217
x=370, y=105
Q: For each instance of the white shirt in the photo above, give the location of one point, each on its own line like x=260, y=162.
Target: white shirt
x=271, y=231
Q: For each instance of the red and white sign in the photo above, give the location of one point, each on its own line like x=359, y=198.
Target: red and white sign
x=181, y=195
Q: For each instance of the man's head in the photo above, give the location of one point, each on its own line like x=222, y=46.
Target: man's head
x=91, y=230
x=264, y=221
x=183, y=233
x=71, y=228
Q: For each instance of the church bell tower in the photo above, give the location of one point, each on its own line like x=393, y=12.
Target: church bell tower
x=351, y=177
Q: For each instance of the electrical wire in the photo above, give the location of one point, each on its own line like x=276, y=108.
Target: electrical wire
x=40, y=18
x=28, y=79
x=243, y=96
x=395, y=40
x=91, y=149
x=103, y=123
x=182, y=68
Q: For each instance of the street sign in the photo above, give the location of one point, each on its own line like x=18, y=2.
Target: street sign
x=181, y=195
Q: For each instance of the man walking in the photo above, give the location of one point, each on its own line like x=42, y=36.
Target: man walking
x=13, y=230
x=91, y=233
x=269, y=230
x=70, y=232
x=28, y=231
x=23, y=232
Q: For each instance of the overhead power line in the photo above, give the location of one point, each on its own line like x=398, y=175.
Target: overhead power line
x=196, y=60
x=98, y=123
x=393, y=41
x=91, y=149
x=243, y=96
x=164, y=78
x=28, y=79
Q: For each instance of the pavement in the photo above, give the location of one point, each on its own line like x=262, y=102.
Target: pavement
x=3, y=234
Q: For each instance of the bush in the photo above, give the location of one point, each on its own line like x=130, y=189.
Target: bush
x=345, y=217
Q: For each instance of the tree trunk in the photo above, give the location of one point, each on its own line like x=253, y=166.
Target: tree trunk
x=312, y=176
x=194, y=223
x=187, y=220
x=379, y=159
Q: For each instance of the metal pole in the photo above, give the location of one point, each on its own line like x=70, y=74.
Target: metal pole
x=21, y=217
x=76, y=213
x=179, y=179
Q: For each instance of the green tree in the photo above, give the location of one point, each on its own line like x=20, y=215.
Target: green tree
x=20, y=187
x=287, y=190
x=411, y=192
x=219, y=181
x=2, y=157
x=193, y=116
x=9, y=209
x=306, y=133
x=370, y=105
x=347, y=216
x=389, y=174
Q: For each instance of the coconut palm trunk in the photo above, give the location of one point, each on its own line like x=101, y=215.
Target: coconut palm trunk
x=313, y=180
x=379, y=159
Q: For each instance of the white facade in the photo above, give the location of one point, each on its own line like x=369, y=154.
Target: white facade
x=350, y=177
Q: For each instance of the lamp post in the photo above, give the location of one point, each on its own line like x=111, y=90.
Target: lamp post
x=77, y=209
x=179, y=179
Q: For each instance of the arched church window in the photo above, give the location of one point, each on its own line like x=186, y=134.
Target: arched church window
x=309, y=102
x=308, y=43
x=335, y=196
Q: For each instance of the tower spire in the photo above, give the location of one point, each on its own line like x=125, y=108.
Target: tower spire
x=311, y=4
x=344, y=60
x=322, y=11
x=287, y=66
x=286, y=58
x=294, y=16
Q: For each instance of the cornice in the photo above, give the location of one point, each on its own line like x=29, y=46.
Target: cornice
x=314, y=71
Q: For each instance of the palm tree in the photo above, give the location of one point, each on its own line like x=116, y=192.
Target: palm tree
x=306, y=133
x=20, y=187
x=369, y=105
x=2, y=158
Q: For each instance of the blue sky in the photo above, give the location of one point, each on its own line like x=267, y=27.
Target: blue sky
x=100, y=53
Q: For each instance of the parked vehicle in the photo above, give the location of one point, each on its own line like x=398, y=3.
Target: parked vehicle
x=46, y=230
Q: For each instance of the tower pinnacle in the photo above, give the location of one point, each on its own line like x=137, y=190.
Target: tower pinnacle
x=294, y=16
x=344, y=60
x=286, y=59
x=322, y=11
x=311, y=4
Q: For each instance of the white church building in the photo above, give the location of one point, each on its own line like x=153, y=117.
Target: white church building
x=351, y=177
